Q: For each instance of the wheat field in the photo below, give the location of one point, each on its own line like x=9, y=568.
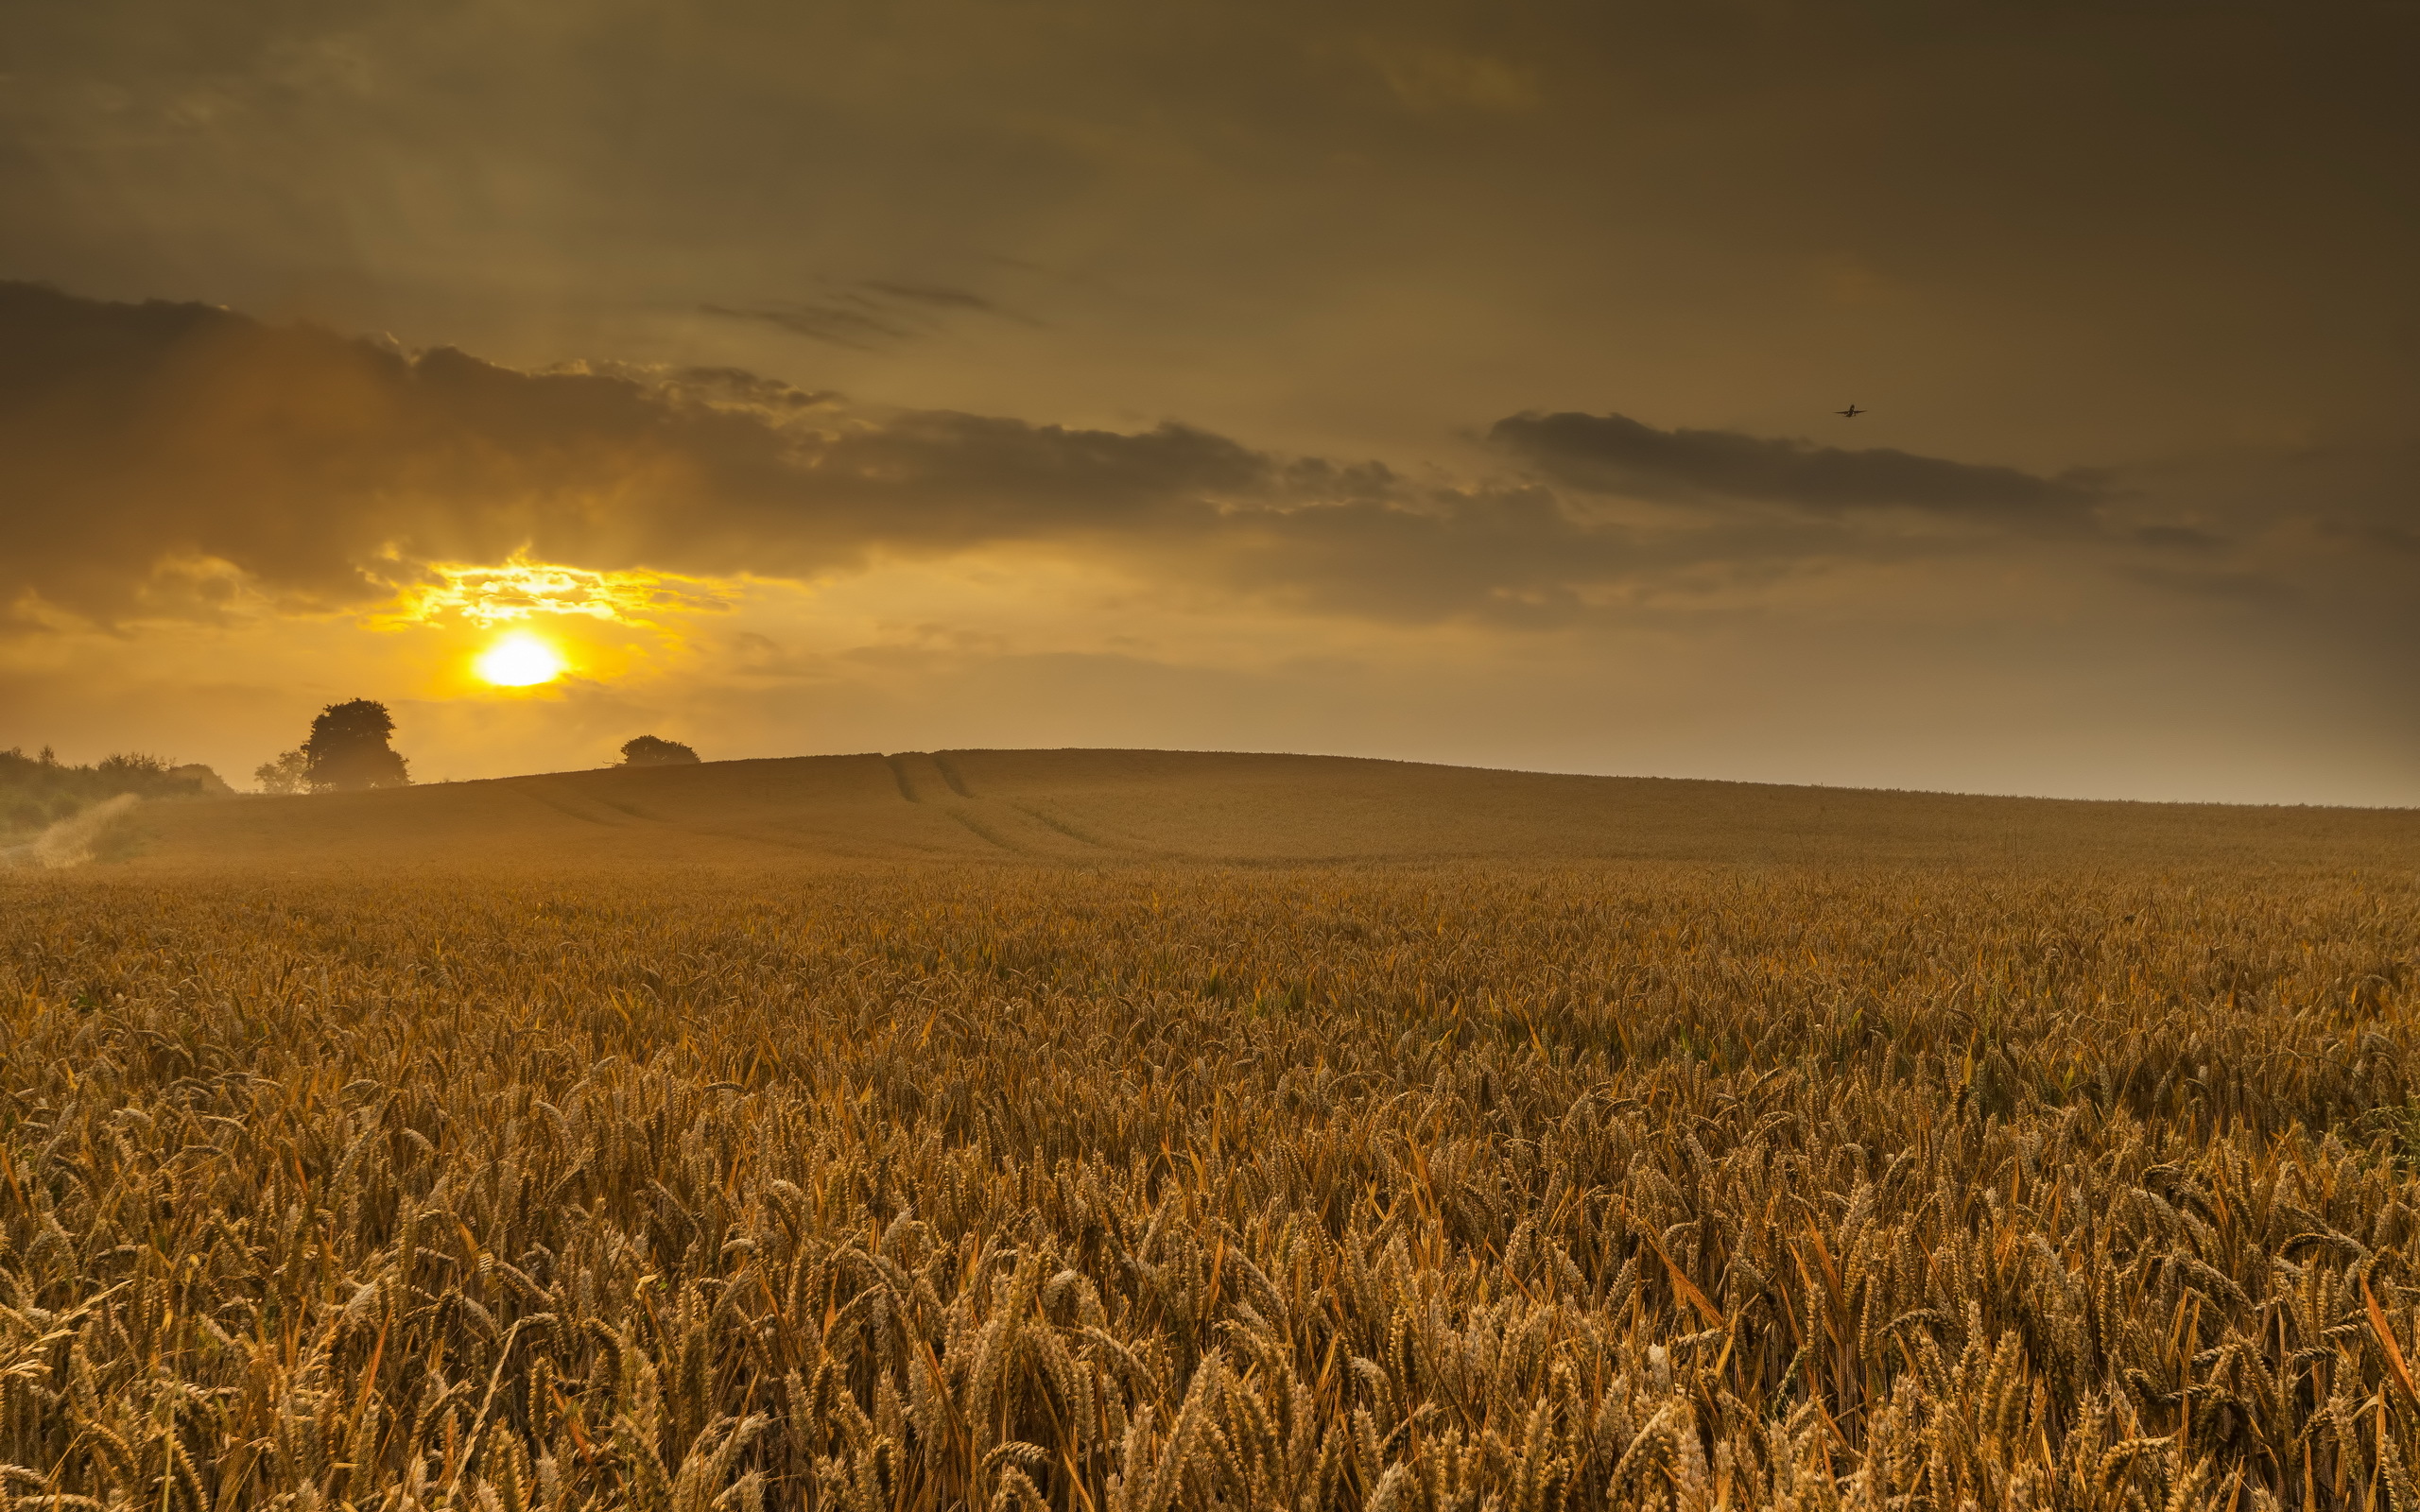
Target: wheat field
x=1459, y=1184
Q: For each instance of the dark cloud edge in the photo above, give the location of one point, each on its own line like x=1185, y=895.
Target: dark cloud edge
x=1612, y=454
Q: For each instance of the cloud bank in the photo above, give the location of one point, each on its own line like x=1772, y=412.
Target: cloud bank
x=165, y=460
x=167, y=455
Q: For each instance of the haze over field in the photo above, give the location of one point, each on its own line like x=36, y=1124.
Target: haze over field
x=1442, y=382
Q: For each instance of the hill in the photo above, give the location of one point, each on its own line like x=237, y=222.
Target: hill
x=1097, y=806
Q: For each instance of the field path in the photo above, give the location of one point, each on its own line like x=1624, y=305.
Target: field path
x=564, y=799
x=935, y=781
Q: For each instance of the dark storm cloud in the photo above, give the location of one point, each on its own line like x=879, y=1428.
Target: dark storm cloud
x=1614, y=453
x=140, y=444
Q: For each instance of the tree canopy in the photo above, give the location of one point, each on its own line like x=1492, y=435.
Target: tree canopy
x=348, y=749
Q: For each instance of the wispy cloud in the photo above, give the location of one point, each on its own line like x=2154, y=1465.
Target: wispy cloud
x=866, y=315
x=1614, y=453
x=859, y=327
x=932, y=294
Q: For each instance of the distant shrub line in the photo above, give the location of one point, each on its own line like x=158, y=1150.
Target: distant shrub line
x=38, y=791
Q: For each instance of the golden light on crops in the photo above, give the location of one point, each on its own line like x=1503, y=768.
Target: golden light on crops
x=1584, y=1180
x=519, y=659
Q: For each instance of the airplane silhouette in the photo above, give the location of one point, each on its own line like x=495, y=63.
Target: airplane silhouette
x=1850, y=413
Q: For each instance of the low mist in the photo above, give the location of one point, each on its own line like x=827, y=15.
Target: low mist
x=82, y=836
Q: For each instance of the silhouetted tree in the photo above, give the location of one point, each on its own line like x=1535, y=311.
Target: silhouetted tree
x=348, y=748
x=289, y=773
x=649, y=751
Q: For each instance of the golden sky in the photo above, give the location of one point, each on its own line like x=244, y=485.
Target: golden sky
x=1452, y=382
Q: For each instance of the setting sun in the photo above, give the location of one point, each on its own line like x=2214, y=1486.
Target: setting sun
x=520, y=659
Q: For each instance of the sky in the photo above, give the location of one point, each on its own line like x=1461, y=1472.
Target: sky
x=1437, y=381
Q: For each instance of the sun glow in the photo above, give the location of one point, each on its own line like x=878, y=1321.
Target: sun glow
x=518, y=589
x=519, y=660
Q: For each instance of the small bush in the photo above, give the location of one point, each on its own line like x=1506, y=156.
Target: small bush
x=650, y=750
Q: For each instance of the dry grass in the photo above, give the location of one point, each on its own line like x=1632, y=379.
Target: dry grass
x=1463, y=1186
